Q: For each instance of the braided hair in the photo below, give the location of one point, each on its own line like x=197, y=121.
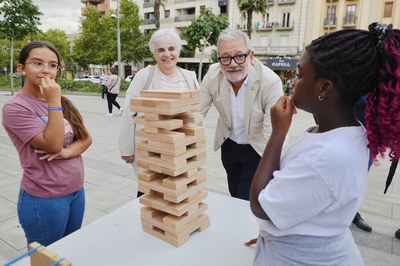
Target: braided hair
x=361, y=62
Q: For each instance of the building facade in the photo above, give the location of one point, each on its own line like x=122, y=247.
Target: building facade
x=103, y=6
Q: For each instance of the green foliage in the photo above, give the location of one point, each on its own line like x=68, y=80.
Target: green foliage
x=133, y=42
x=214, y=56
x=5, y=56
x=20, y=18
x=250, y=6
x=204, y=29
x=97, y=43
x=59, y=40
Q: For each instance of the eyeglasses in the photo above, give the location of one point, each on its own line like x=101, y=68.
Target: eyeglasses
x=39, y=66
x=239, y=59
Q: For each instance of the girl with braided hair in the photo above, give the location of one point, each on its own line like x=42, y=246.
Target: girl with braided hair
x=306, y=199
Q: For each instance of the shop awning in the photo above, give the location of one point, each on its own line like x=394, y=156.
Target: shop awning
x=282, y=64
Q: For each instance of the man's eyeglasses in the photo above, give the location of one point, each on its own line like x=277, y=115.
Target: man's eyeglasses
x=239, y=59
x=39, y=66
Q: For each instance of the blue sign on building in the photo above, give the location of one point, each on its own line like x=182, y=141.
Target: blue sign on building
x=282, y=63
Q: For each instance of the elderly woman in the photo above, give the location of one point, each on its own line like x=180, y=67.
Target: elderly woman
x=165, y=44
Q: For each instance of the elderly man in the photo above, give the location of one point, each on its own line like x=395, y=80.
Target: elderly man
x=243, y=90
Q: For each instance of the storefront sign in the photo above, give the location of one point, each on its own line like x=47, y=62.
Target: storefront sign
x=282, y=64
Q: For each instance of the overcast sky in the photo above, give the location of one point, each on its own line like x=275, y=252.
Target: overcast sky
x=60, y=14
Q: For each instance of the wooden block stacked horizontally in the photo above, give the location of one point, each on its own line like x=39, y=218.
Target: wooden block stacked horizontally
x=45, y=257
x=171, y=155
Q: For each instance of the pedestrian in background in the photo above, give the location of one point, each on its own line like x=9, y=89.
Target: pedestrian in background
x=113, y=85
x=243, y=90
x=165, y=44
x=306, y=200
x=49, y=136
x=103, y=81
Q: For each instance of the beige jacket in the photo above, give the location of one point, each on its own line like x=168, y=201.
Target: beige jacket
x=264, y=88
x=127, y=131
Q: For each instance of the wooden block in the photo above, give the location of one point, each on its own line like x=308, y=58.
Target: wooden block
x=149, y=176
x=183, y=142
x=201, y=223
x=190, y=117
x=163, y=103
x=163, y=135
x=145, y=147
x=178, y=194
x=164, y=110
x=175, y=172
x=169, y=124
x=175, y=160
x=152, y=130
x=184, y=179
x=166, y=94
x=191, y=130
x=44, y=257
x=156, y=201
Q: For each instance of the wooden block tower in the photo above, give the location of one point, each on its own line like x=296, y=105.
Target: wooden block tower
x=45, y=257
x=171, y=156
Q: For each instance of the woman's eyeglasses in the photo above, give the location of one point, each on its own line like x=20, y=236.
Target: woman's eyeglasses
x=39, y=66
x=239, y=59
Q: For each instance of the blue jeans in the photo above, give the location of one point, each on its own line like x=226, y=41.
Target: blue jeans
x=47, y=220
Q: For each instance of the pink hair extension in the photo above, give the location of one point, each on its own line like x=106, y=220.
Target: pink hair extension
x=383, y=106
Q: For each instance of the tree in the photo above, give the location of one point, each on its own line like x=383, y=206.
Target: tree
x=59, y=40
x=157, y=5
x=250, y=6
x=20, y=18
x=133, y=42
x=97, y=42
x=204, y=31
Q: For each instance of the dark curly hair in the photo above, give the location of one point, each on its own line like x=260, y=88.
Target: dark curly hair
x=361, y=62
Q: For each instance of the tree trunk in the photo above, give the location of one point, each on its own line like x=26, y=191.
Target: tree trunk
x=249, y=21
x=157, y=4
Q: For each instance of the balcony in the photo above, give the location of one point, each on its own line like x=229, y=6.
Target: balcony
x=182, y=1
x=148, y=3
x=276, y=50
x=279, y=27
x=330, y=22
x=149, y=21
x=285, y=2
x=185, y=17
x=263, y=26
x=350, y=21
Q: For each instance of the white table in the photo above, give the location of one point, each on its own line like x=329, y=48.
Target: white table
x=118, y=239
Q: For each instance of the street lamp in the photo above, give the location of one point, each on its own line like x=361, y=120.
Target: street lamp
x=120, y=73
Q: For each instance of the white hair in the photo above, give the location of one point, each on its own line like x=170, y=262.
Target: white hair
x=230, y=34
x=171, y=35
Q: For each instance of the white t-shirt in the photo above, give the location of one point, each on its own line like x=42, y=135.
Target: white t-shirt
x=177, y=82
x=321, y=184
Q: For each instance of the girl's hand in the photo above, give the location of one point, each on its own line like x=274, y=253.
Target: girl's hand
x=281, y=115
x=50, y=89
x=63, y=154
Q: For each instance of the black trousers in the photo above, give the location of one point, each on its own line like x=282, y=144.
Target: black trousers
x=111, y=100
x=240, y=162
x=103, y=90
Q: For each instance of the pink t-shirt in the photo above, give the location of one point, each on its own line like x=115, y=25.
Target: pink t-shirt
x=23, y=118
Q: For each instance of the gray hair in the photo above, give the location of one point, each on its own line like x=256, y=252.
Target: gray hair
x=230, y=34
x=171, y=35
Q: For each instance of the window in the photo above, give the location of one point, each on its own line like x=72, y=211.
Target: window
x=264, y=41
x=285, y=19
x=166, y=13
x=387, y=13
x=284, y=40
x=330, y=15
x=350, y=14
x=265, y=17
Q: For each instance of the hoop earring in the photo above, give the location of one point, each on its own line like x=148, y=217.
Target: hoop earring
x=320, y=98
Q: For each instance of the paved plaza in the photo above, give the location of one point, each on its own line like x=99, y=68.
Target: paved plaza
x=110, y=183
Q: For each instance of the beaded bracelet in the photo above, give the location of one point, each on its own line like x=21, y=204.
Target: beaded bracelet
x=55, y=108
